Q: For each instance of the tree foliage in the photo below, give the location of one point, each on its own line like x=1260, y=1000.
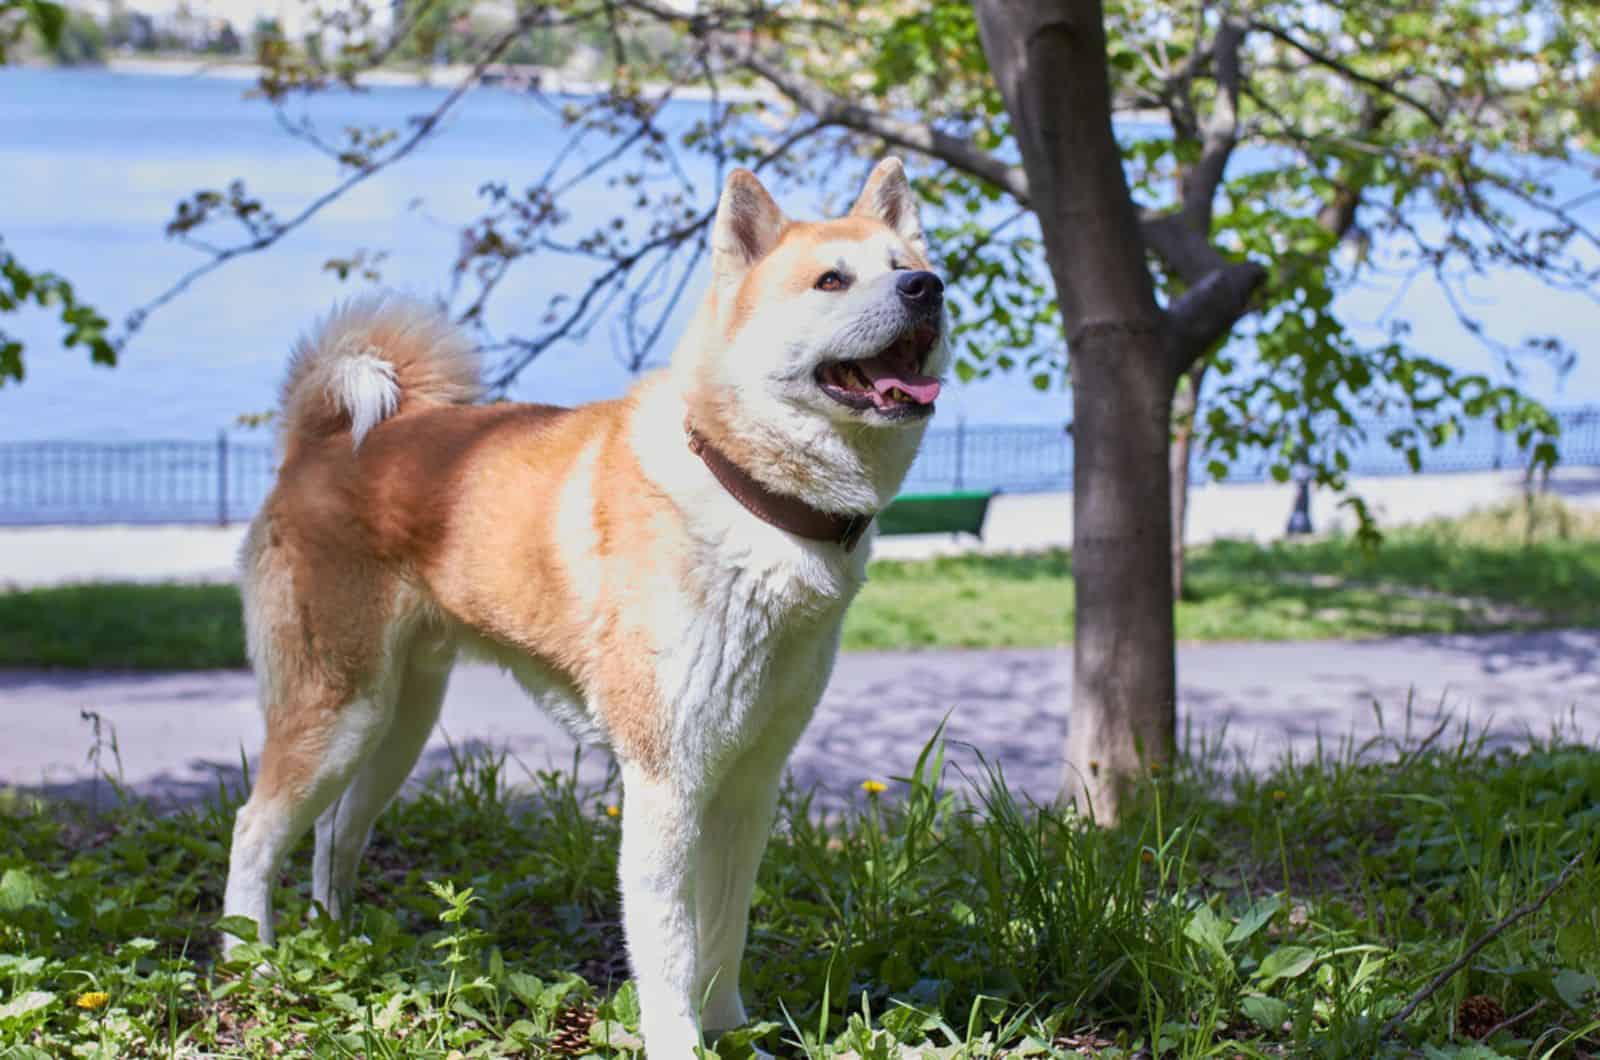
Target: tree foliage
x=1320, y=143
x=19, y=18
x=19, y=287
x=1270, y=156
x=81, y=324
x=1279, y=153
x=1328, y=145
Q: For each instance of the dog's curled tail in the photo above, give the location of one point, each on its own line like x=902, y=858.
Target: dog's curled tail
x=370, y=359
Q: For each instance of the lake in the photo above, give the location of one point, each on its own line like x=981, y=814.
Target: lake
x=93, y=162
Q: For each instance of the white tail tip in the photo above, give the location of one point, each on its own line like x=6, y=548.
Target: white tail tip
x=365, y=386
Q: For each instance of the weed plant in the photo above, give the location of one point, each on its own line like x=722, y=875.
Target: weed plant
x=1294, y=912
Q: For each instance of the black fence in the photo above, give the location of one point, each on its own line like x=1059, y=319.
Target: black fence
x=224, y=481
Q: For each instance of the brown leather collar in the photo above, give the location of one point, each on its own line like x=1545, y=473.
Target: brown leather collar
x=780, y=509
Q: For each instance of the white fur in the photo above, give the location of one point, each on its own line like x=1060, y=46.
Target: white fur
x=756, y=630
x=744, y=629
x=365, y=386
x=359, y=752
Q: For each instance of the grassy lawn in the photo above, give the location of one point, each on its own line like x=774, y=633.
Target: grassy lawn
x=1293, y=913
x=1486, y=571
x=1490, y=570
x=123, y=626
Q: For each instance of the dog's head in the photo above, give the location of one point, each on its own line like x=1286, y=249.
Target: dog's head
x=838, y=319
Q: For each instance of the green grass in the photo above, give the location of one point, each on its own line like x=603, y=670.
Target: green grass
x=123, y=626
x=1291, y=913
x=1504, y=568
x=1491, y=570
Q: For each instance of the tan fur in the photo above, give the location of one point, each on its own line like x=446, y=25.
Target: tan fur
x=433, y=363
x=455, y=502
x=589, y=552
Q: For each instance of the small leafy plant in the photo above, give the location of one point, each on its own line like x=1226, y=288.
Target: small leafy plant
x=1403, y=898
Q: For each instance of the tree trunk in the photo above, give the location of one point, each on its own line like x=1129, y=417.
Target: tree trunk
x=1049, y=58
x=1185, y=405
x=1124, y=677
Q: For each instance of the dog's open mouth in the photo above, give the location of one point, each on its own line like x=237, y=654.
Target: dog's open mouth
x=892, y=382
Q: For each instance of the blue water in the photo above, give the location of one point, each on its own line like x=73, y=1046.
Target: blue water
x=92, y=164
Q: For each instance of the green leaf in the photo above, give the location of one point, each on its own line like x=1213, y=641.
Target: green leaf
x=240, y=927
x=740, y=1044
x=1285, y=962
x=527, y=989
x=1268, y=1013
x=34, y=1001
x=614, y=1035
x=17, y=891
x=1208, y=930
x=1572, y=987
x=1259, y=914
x=48, y=20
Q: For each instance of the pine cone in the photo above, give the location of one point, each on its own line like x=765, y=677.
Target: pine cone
x=572, y=1030
x=1478, y=1015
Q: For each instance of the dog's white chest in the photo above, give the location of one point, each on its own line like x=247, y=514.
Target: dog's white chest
x=755, y=650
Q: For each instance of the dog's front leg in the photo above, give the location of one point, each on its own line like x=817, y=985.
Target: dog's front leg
x=660, y=840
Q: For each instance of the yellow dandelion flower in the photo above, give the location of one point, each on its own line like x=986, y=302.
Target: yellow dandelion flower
x=874, y=787
x=1155, y=769
x=1279, y=795
x=93, y=999
x=613, y=810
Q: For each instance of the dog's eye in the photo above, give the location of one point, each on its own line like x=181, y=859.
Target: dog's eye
x=832, y=280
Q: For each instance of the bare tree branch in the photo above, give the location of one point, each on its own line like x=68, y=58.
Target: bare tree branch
x=606, y=285
x=425, y=126
x=1185, y=250
x=1221, y=132
x=915, y=136
x=1322, y=58
x=1205, y=313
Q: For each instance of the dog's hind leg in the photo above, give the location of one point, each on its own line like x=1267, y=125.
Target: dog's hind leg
x=313, y=749
x=345, y=827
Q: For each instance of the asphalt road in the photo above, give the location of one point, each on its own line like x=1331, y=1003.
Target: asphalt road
x=179, y=735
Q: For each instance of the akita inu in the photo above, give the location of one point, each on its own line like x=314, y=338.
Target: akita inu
x=667, y=572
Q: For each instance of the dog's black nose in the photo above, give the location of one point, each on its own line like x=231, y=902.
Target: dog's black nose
x=921, y=290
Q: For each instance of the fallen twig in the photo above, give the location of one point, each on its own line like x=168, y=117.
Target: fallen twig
x=1487, y=937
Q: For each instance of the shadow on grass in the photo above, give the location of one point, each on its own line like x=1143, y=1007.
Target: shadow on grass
x=1290, y=911
x=1559, y=578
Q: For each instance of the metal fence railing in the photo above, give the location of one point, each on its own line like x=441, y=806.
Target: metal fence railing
x=46, y=483
x=224, y=481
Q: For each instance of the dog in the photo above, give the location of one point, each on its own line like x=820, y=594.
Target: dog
x=666, y=572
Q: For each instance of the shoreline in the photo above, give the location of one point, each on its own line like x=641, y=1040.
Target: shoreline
x=518, y=79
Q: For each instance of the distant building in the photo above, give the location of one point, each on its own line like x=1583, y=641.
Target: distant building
x=207, y=24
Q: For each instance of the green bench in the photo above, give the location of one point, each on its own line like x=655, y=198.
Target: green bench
x=936, y=513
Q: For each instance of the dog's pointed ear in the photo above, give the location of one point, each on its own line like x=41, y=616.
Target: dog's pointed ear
x=888, y=198
x=747, y=226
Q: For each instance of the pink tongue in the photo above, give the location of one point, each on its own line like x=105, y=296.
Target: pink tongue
x=922, y=388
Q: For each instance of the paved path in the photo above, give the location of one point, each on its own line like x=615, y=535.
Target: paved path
x=178, y=734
